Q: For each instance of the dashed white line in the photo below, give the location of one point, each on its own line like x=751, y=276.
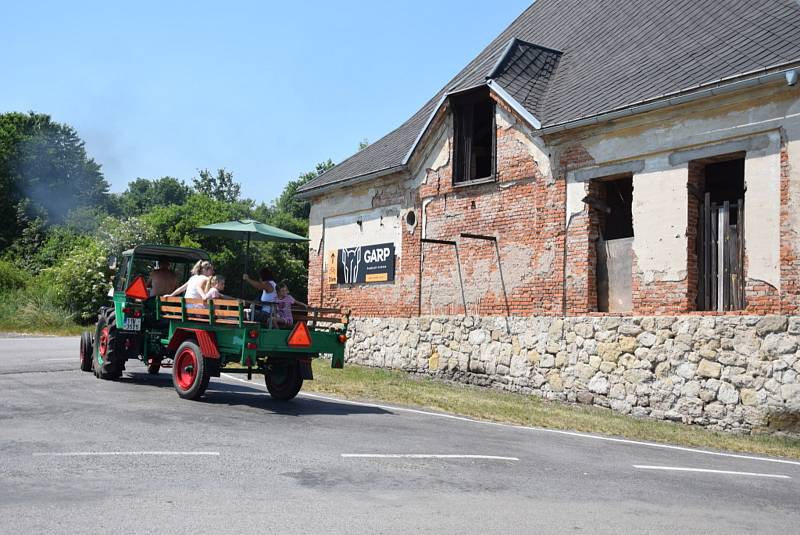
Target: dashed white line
x=130, y=453
x=708, y=471
x=425, y=456
x=537, y=429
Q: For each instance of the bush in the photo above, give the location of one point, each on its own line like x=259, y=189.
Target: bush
x=81, y=282
x=11, y=277
x=116, y=235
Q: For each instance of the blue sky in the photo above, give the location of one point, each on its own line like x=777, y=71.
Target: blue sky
x=264, y=89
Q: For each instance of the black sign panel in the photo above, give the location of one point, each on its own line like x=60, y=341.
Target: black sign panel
x=364, y=264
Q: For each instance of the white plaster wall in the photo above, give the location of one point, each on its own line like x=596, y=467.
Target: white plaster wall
x=762, y=202
x=703, y=123
x=576, y=191
x=660, y=199
x=343, y=202
x=379, y=225
x=434, y=155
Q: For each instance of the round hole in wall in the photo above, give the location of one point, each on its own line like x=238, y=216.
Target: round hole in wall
x=411, y=218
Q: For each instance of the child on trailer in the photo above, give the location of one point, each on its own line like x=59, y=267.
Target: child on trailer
x=283, y=306
x=217, y=286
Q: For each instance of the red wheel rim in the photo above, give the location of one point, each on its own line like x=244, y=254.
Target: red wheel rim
x=102, y=345
x=186, y=368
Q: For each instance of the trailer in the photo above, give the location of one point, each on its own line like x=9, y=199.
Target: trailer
x=200, y=339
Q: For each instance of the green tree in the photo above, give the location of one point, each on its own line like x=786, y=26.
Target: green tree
x=176, y=225
x=288, y=202
x=118, y=234
x=143, y=194
x=221, y=186
x=289, y=261
x=45, y=163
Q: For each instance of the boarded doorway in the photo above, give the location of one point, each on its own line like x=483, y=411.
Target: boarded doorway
x=720, y=237
x=614, y=200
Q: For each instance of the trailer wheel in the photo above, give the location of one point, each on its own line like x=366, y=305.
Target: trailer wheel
x=284, y=381
x=191, y=372
x=87, y=351
x=106, y=360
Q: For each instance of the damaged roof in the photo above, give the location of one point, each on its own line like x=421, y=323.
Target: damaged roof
x=564, y=60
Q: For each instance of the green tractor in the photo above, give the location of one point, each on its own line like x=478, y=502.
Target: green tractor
x=200, y=339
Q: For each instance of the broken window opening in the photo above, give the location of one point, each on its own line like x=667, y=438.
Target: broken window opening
x=720, y=235
x=474, y=133
x=614, y=212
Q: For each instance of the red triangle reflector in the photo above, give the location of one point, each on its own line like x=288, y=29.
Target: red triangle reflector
x=137, y=289
x=299, y=337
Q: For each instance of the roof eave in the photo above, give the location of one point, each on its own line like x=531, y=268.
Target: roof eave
x=350, y=181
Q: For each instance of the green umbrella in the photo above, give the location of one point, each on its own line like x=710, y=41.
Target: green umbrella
x=249, y=229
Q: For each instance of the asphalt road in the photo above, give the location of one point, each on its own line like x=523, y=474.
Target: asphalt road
x=81, y=455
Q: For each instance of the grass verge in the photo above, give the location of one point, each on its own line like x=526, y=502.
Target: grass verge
x=32, y=311
x=369, y=384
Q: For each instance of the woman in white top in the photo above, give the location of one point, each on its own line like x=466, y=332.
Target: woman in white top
x=197, y=285
x=269, y=292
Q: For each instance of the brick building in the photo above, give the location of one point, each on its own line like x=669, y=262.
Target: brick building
x=621, y=157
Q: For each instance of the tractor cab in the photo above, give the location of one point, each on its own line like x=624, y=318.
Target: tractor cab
x=131, y=295
x=143, y=259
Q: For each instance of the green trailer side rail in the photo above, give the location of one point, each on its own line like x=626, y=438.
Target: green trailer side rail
x=245, y=342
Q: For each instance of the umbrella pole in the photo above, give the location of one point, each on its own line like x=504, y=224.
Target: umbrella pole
x=246, y=258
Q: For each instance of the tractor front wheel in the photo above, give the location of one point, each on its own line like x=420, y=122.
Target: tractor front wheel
x=191, y=372
x=107, y=361
x=284, y=381
x=87, y=350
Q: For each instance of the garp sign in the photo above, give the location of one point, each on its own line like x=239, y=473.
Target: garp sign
x=367, y=263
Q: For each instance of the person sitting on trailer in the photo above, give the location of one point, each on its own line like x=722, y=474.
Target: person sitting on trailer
x=197, y=285
x=269, y=295
x=283, y=306
x=217, y=286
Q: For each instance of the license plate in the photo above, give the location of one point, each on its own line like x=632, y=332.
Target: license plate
x=133, y=324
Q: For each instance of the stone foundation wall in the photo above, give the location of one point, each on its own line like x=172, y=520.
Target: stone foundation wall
x=733, y=373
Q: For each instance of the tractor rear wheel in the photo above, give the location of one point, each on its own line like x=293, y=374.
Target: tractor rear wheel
x=107, y=361
x=284, y=381
x=86, y=352
x=191, y=372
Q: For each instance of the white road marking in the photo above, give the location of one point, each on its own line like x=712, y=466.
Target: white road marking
x=60, y=360
x=131, y=453
x=425, y=456
x=707, y=471
x=537, y=429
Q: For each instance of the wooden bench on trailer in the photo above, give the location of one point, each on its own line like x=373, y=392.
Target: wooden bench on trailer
x=315, y=317
x=233, y=312
x=214, y=311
